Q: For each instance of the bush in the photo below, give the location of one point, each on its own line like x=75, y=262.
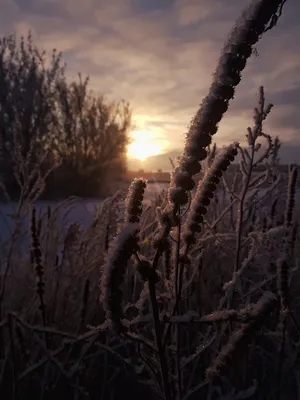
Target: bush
x=50, y=124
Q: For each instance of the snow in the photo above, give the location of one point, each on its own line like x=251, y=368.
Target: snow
x=78, y=210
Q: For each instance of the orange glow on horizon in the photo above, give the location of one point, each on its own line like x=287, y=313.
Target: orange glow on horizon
x=145, y=144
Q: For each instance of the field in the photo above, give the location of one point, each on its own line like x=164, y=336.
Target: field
x=182, y=291
x=74, y=238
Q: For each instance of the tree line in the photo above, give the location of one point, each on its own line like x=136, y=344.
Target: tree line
x=55, y=134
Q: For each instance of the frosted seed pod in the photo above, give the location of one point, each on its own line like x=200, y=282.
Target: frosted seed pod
x=184, y=180
x=196, y=151
x=191, y=165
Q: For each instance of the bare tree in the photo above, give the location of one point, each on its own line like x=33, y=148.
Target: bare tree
x=92, y=136
x=44, y=119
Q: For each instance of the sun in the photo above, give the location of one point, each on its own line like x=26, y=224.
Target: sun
x=145, y=144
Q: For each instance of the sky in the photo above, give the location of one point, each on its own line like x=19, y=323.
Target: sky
x=160, y=55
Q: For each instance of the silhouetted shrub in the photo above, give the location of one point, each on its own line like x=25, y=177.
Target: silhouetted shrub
x=51, y=125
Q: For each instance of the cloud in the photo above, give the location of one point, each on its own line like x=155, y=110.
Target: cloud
x=160, y=56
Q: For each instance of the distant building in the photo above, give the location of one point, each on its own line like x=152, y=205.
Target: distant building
x=164, y=177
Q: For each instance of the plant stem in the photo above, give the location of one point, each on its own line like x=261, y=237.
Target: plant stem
x=158, y=338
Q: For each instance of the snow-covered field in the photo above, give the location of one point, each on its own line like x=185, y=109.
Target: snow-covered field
x=81, y=211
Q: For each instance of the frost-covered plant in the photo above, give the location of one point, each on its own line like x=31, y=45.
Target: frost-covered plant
x=198, y=291
x=184, y=221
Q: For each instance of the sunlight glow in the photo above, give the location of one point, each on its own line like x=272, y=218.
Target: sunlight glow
x=145, y=144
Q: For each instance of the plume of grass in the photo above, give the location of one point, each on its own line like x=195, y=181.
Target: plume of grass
x=37, y=263
x=232, y=62
x=124, y=247
x=204, y=194
x=134, y=200
x=291, y=192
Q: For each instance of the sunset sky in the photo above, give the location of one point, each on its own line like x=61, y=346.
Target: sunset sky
x=159, y=55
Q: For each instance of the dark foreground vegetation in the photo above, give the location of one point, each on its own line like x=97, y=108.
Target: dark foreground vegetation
x=194, y=297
